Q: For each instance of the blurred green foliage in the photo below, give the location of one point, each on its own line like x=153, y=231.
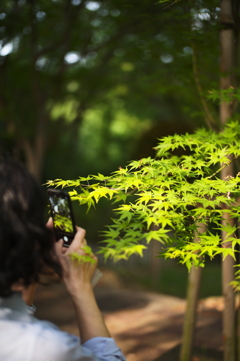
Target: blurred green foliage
x=172, y=279
x=124, y=62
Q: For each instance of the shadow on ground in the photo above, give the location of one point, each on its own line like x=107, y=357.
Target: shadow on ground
x=112, y=300
x=199, y=353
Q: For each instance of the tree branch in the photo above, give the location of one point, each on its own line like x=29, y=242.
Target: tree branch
x=69, y=17
x=211, y=122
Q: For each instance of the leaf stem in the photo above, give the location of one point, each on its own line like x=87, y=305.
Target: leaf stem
x=220, y=169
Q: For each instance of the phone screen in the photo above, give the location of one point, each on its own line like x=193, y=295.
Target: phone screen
x=63, y=220
x=61, y=214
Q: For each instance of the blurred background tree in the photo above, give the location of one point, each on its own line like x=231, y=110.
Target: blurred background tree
x=92, y=84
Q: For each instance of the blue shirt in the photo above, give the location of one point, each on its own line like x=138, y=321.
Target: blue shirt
x=25, y=338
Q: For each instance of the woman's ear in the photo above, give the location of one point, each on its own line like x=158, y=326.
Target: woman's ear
x=17, y=287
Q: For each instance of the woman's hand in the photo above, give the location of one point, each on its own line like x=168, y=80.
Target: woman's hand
x=76, y=274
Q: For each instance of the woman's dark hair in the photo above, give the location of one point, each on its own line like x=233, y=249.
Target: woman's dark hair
x=26, y=245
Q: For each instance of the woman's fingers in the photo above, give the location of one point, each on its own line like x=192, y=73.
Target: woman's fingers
x=59, y=246
x=49, y=223
x=77, y=244
x=78, y=241
x=84, y=240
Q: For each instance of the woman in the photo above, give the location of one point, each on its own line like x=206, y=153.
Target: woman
x=26, y=249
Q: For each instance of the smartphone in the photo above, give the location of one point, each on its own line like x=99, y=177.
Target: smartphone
x=62, y=215
x=64, y=223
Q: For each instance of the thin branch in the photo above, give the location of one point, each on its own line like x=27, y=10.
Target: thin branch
x=220, y=169
x=68, y=20
x=209, y=117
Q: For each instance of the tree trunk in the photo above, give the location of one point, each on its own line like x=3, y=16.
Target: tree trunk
x=155, y=263
x=236, y=14
x=190, y=314
x=34, y=155
x=229, y=310
x=228, y=291
x=238, y=327
x=229, y=299
x=226, y=80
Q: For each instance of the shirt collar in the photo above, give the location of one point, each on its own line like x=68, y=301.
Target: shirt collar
x=14, y=302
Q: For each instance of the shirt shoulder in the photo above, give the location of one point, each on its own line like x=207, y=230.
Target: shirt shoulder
x=53, y=344
x=42, y=340
x=50, y=343
x=37, y=341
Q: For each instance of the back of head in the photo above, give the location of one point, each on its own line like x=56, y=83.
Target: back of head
x=26, y=247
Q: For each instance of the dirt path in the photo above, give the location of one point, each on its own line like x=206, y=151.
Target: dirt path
x=147, y=326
